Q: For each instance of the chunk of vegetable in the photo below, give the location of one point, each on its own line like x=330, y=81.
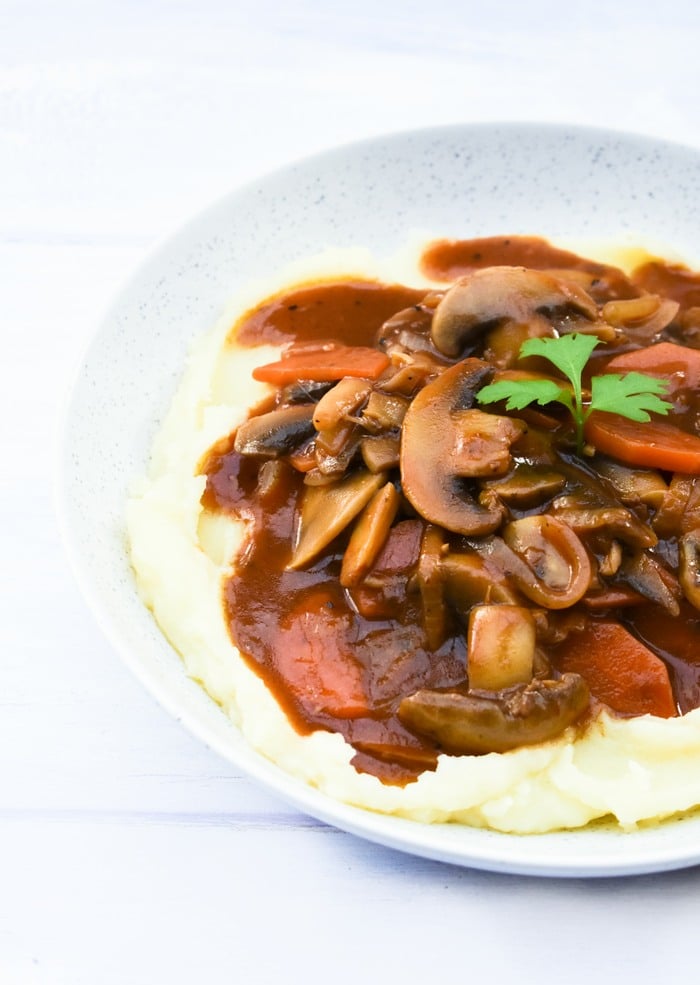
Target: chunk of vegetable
x=644, y=574
x=320, y=671
x=496, y=721
x=656, y=444
x=500, y=646
x=431, y=585
x=271, y=435
x=615, y=521
x=327, y=510
x=369, y=535
x=340, y=401
x=642, y=317
x=557, y=567
x=445, y=439
x=633, y=485
x=677, y=364
x=324, y=365
x=619, y=670
x=515, y=294
x=527, y=486
x=380, y=453
x=471, y=578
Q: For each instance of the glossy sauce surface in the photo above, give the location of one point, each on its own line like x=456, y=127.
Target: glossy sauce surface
x=349, y=312
x=448, y=259
x=341, y=659
x=328, y=666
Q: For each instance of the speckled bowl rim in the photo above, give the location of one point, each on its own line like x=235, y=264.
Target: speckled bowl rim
x=455, y=181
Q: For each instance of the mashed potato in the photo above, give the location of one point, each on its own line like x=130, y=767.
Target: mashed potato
x=632, y=770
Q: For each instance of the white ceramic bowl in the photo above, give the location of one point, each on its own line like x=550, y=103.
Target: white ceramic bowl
x=459, y=181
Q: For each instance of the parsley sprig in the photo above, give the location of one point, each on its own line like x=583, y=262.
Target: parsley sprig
x=632, y=395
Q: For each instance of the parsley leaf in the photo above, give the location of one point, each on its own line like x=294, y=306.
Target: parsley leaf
x=520, y=393
x=633, y=395
x=569, y=353
x=638, y=391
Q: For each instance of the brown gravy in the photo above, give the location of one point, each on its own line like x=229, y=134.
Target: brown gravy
x=448, y=259
x=349, y=312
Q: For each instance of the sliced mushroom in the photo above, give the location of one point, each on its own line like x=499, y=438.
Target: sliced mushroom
x=338, y=403
x=527, y=486
x=615, y=521
x=482, y=721
x=503, y=343
x=641, y=318
x=315, y=477
x=500, y=646
x=380, y=453
x=644, y=574
x=483, y=443
x=369, y=535
x=494, y=294
x=333, y=440
x=689, y=321
x=413, y=372
x=632, y=485
x=689, y=566
x=679, y=512
x=384, y=412
x=559, y=569
x=610, y=564
x=327, y=510
x=336, y=448
x=303, y=392
x=470, y=579
x=430, y=583
x=275, y=433
x=444, y=440
x=408, y=331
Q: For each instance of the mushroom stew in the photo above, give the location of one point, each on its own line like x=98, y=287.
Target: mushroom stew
x=427, y=573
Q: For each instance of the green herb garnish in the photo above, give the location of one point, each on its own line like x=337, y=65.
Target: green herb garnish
x=631, y=395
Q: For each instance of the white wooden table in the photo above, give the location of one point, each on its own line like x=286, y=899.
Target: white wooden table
x=129, y=853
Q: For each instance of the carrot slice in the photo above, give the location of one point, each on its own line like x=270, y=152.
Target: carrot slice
x=656, y=444
x=324, y=365
x=619, y=670
x=677, y=364
x=314, y=657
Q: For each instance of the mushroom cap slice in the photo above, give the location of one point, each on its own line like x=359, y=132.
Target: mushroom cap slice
x=275, y=433
x=327, y=510
x=501, y=293
x=444, y=440
x=558, y=569
x=476, y=722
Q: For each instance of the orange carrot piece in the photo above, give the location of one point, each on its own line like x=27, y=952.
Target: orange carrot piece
x=619, y=670
x=324, y=365
x=656, y=444
x=677, y=364
x=314, y=656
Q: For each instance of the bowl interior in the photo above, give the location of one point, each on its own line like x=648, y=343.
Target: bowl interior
x=461, y=181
